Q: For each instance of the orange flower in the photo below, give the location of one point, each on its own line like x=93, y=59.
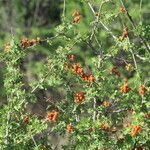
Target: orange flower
x=25, y=119
x=77, y=70
x=129, y=67
x=71, y=57
x=66, y=67
x=79, y=97
x=142, y=90
x=147, y=116
x=27, y=43
x=106, y=104
x=125, y=88
x=135, y=130
x=115, y=71
x=105, y=126
x=52, y=116
x=69, y=128
x=75, y=67
x=77, y=17
x=91, y=78
x=75, y=13
x=122, y=9
x=85, y=77
x=125, y=33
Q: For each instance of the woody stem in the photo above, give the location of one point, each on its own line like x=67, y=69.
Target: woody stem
x=94, y=107
x=134, y=26
x=104, y=26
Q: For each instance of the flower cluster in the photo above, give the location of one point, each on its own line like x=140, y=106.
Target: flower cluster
x=79, y=97
x=52, y=116
x=69, y=128
x=77, y=17
x=89, y=78
x=26, y=119
x=142, y=90
x=105, y=126
x=67, y=67
x=27, y=43
x=125, y=33
x=125, y=88
x=135, y=130
x=106, y=104
x=79, y=71
x=129, y=67
x=114, y=71
x=122, y=9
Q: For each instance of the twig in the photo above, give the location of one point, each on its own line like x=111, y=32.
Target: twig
x=134, y=26
x=44, y=78
x=64, y=8
x=34, y=141
x=140, y=57
x=134, y=146
x=77, y=118
x=7, y=123
x=7, y=128
x=97, y=19
x=134, y=59
x=141, y=10
x=104, y=26
x=119, y=110
x=36, y=11
x=94, y=106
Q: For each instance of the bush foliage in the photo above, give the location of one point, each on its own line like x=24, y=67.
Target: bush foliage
x=89, y=73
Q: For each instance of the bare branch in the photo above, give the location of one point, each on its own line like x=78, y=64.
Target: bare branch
x=104, y=26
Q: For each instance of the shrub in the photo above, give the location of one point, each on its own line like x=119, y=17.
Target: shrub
x=102, y=93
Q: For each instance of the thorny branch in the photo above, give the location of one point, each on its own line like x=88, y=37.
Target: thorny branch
x=134, y=26
x=104, y=26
